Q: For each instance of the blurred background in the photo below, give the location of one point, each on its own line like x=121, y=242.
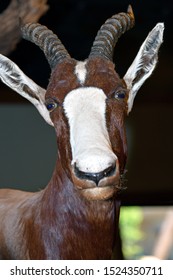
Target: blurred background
x=28, y=144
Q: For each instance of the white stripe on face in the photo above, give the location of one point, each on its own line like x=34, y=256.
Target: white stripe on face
x=91, y=148
x=80, y=71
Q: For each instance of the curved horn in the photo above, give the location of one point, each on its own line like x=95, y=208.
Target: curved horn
x=109, y=33
x=48, y=42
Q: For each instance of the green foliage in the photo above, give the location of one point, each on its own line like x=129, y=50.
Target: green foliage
x=131, y=234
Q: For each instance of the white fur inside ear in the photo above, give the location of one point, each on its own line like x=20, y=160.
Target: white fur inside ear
x=144, y=63
x=13, y=77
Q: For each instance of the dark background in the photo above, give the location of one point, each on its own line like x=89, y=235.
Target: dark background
x=28, y=146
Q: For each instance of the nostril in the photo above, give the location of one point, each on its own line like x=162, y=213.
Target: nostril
x=96, y=176
x=109, y=171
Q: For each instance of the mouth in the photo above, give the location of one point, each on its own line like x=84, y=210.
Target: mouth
x=99, y=193
x=101, y=188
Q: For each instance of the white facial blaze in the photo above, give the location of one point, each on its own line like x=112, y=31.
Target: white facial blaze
x=91, y=148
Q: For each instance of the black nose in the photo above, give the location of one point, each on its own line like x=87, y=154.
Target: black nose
x=96, y=177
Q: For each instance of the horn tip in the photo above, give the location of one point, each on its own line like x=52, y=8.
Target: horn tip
x=130, y=11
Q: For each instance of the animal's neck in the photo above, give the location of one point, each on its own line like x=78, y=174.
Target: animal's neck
x=72, y=227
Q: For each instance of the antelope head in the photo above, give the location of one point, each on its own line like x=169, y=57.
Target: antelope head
x=87, y=101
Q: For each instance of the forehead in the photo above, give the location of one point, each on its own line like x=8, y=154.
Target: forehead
x=70, y=75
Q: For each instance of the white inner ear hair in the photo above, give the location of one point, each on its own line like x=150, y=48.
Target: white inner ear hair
x=144, y=63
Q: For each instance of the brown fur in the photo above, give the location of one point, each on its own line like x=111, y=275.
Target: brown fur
x=59, y=222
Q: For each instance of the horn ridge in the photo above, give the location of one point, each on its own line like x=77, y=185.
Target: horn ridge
x=110, y=32
x=48, y=42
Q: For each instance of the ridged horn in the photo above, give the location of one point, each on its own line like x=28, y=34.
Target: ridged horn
x=48, y=42
x=110, y=32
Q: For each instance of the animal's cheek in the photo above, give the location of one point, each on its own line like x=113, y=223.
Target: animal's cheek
x=115, y=141
x=117, y=138
x=63, y=137
x=59, y=120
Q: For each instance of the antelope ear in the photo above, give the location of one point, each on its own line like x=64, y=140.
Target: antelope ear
x=13, y=77
x=144, y=63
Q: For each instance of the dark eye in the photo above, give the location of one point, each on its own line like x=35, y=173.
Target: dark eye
x=51, y=105
x=120, y=95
